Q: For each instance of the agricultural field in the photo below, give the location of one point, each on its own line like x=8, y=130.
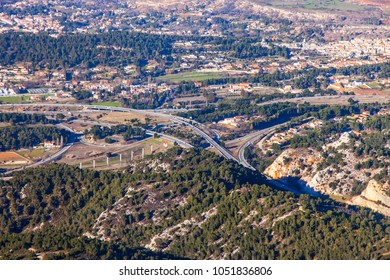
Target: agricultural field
x=375, y=85
x=11, y=99
x=107, y=103
x=12, y=159
x=191, y=76
x=34, y=154
x=23, y=98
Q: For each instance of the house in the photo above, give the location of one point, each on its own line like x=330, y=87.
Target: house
x=50, y=144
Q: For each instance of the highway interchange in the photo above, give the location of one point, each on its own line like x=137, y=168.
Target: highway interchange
x=198, y=128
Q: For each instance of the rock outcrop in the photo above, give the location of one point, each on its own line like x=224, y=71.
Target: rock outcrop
x=302, y=165
x=375, y=196
x=291, y=161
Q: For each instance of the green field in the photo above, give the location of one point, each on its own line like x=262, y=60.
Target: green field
x=11, y=99
x=15, y=99
x=108, y=103
x=191, y=76
x=375, y=85
x=34, y=154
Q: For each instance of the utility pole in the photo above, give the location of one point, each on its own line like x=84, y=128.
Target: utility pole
x=143, y=153
x=132, y=155
x=94, y=163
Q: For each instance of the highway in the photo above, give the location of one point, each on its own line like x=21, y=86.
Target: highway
x=211, y=141
x=250, y=139
x=334, y=99
x=160, y=113
x=253, y=137
x=73, y=138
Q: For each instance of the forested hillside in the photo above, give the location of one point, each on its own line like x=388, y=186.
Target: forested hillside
x=181, y=204
x=114, y=48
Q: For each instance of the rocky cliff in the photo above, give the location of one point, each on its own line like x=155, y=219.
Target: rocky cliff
x=306, y=166
x=375, y=196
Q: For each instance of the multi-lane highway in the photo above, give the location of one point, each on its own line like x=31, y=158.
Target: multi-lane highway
x=250, y=141
x=196, y=127
x=210, y=140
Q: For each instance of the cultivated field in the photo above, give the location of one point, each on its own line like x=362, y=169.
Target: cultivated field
x=107, y=103
x=34, y=154
x=190, y=76
x=11, y=99
x=12, y=158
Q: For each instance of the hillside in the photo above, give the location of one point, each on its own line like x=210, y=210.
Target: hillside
x=181, y=204
x=349, y=160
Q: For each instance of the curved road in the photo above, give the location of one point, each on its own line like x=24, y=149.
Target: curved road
x=219, y=148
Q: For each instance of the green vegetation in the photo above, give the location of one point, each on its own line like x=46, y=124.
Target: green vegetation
x=17, y=137
x=193, y=138
x=20, y=118
x=74, y=49
x=35, y=153
x=11, y=99
x=107, y=103
x=243, y=107
x=305, y=79
x=190, y=76
x=127, y=131
x=70, y=50
x=375, y=85
x=146, y=101
x=244, y=218
x=14, y=99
